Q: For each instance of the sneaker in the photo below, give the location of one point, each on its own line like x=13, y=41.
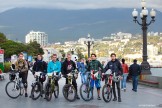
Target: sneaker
x=99, y=98
x=134, y=90
x=26, y=95
x=77, y=97
x=124, y=90
x=119, y=99
x=31, y=96
x=115, y=99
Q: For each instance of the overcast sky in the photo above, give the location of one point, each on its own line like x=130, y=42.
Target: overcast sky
x=77, y=4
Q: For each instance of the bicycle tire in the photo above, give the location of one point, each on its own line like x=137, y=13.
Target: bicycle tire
x=18, y=87
x=39, y=90
x=88, y=91
x=108, y=93
x=65, y=94
x=56, y=93
x=48, y=92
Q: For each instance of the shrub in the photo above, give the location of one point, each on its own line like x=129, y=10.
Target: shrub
x=7, y=67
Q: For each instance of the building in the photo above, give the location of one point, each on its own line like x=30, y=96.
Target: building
x=39, y=37
x=48, y=52
x=152, y=51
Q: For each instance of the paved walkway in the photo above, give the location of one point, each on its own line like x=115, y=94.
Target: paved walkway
x=146, y=97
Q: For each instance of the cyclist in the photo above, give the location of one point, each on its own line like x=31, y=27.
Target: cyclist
x=115, y=66
x=95, y=66
x=22, y=66
x=54, y=66
x=40, y=66
x=67, y=66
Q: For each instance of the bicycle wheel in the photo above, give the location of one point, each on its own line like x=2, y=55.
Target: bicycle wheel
x=56, y=91
x=12, y=89
x=107, y=93
x=36, y=91
x=69, y=92
x=48, y=92
x=86, y=92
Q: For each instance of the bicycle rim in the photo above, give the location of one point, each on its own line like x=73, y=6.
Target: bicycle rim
x=36, y=91
x=56, y=91
x=69, y=92
x=85, y=92
x=107, y=93
x=12, y=89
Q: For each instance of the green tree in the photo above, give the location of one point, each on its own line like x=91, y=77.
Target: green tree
x=63, y=53
x=79, y=54
x=2, y=38
x=34, y=48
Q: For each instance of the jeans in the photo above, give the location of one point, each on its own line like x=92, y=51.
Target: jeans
x=124, y=81
x=118, y=88
x=83, y=77
x=135, y=82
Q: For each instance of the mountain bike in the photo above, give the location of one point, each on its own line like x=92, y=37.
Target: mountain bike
x=86, y=91
x=50, y=87
x=37, y=87
x=107, y=88
x=14, y=88
x=68, y=90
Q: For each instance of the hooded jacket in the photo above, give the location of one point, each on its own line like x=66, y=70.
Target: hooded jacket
x=54, y=66
x=67, y=66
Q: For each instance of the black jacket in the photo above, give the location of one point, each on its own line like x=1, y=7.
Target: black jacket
x=114, y=66
x=40, y=66
x=134, y=70
x=64, y=69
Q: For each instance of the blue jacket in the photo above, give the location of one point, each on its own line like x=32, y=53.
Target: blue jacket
x=54, y=67
x=82, y=67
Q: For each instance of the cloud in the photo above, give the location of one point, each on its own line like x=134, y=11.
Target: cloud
x=77, y=4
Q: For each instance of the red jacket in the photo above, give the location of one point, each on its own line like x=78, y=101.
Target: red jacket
x=125, y=68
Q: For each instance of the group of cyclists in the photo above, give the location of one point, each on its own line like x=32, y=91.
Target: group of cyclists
x=68, y=65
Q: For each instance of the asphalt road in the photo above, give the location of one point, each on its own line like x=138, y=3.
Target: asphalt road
x=146, y=97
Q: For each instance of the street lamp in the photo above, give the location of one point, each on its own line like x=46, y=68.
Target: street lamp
x=89, y=42
x=144, y=13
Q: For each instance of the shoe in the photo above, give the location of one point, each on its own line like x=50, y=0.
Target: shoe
x=99, y=98
x=124, y=90
x=31, y=96
x=77, y=97
x=134, y=90
x=26, y=95
x=115, y=99
x=119, y=99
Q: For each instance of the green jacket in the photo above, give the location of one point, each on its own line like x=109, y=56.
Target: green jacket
x=95, y=65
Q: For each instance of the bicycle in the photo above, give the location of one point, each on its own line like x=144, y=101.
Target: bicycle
x=107, y=88
x=14, y=85
x=37, y=87
x=50, y=87
x=86, y=89
x=69, y=92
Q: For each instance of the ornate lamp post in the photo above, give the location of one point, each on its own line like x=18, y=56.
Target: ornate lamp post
x=144, y=13
x=89, y=42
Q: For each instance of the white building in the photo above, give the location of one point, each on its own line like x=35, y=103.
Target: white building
x=40, y=37
x=48, y=51
x=152, y=51
x=82, y=40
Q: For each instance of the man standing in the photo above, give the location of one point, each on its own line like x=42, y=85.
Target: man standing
x=22, y=66
x=67, y=66
x=134, y=71
x=94, y=66
x=115, y=66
